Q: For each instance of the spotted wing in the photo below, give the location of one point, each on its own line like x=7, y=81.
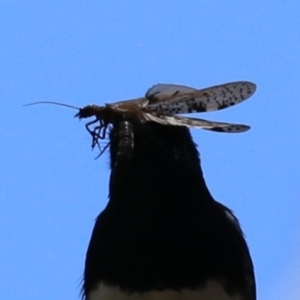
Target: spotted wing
x=176, y=99
x=196, y=123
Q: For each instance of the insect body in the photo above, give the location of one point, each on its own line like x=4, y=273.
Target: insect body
x=162, y=103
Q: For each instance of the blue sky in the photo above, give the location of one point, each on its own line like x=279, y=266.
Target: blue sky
x=82, y=52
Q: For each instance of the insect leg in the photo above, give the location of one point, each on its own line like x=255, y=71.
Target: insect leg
x=103, y=150
x=104, y=127
x=99, y=132
x=125, y=144
x=93, y=133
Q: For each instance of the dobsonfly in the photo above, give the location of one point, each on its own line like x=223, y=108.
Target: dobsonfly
x=162, y=103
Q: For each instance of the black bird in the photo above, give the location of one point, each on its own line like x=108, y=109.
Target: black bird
x=162, y=235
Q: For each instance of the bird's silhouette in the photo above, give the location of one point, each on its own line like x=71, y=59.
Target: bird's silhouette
x=162, y=234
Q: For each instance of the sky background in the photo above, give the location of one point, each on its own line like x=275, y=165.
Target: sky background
x=83, y=52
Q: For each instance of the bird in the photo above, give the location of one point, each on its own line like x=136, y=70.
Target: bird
x=162, y=235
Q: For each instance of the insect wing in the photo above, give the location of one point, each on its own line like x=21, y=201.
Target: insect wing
x=163, y=92
x=198, y=123
x=173, y=99
x=129, y=105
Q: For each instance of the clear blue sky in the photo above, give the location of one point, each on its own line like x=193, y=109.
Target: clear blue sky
x=82, y=52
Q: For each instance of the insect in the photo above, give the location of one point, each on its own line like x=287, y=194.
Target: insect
x=163, y=102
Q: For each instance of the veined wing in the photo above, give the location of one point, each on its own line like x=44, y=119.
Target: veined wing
x=177, y=99
x=129, y=105
x=197, y=123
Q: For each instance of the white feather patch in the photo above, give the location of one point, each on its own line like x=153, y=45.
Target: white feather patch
x=211, y=291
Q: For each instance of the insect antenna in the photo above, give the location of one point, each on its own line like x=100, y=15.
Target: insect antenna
x=51, y=102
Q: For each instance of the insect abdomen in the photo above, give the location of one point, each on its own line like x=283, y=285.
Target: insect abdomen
x=126, y=143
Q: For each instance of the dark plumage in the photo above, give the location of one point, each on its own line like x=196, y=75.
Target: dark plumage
x=161, y=228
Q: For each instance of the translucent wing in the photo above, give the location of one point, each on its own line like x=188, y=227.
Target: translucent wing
x=176, y=99
x=129, y=105
x=197, y=123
